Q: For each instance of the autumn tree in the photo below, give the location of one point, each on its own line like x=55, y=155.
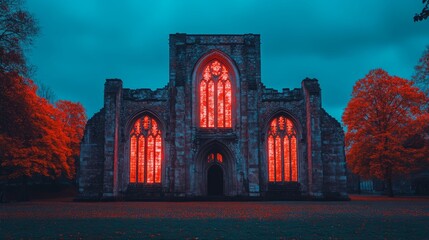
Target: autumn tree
x=421, y=75
x=32, y=142
x=37, y=138
x=424, y=14
x=73, y=119
x=17, y=29
x=384, y=112
x=15, y=119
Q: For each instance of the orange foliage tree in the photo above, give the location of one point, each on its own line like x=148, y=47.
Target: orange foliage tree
x=73, y=120
x=36, y=138
x=384, y=112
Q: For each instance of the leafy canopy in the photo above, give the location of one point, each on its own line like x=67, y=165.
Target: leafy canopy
x=384, y=112
x=36, y=137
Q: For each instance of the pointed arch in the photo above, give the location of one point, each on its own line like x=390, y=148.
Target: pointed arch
x=214, y=152
x=282, y=149
x=146, y=155
x=215, y=79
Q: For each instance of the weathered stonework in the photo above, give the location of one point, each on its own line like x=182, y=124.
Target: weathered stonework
x=105, y=150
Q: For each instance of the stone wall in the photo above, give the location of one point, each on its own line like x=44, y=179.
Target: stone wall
x=313, y=108
x=333, y=155
x=290, y=103
x=90, y=172
x=104, y=171
x=134, y=104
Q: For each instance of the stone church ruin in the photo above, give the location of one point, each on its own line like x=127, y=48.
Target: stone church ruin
x=214, y=130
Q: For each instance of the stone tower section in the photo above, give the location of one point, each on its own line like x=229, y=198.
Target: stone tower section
x=241, y=54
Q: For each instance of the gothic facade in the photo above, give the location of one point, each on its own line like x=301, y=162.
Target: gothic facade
x=214, y=130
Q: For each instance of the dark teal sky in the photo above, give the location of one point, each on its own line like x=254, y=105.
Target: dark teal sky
x=83, y=42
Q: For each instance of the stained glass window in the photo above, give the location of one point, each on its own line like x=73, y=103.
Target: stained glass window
x=145, y=151
x=215, y=97
x=282, y=151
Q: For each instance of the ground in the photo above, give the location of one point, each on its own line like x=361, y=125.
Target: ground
x=364, y=217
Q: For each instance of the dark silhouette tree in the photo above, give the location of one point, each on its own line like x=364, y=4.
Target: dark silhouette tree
x=17, y=28
x=424, y=14
x=45, y=92
x=384, y=113
x=421, y=79
x=421, y=75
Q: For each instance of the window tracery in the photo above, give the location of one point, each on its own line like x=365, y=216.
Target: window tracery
x=215, y=97
x=145, y=151
x=282, y=151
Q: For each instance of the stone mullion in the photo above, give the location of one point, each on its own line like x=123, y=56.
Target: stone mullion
x=224, y=105
x=283, y=161
x=275, y=162
x=153, y=157
x=290, y=158
x=145, y=159
x=215, y=107
x=136, y=163
x=137, y=158
x=207, y=104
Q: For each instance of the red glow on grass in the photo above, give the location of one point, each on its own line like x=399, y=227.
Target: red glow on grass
x=360, y=206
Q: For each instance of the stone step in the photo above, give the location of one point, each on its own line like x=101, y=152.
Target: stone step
x=284, y=191
x=284, y=187
x=144, y=191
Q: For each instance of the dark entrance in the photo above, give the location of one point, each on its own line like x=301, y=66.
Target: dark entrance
x=215, y=181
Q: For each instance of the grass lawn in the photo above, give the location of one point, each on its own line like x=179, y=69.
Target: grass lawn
x=365, y=217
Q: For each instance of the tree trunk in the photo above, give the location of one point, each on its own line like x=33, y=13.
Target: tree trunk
x=389, y=184
x=25, y=196
x=359, y=188
x=55, y=187
x=2, y=193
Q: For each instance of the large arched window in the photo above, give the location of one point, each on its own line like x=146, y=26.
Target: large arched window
x=282, y=151
x=215, y=96
x=145, y=151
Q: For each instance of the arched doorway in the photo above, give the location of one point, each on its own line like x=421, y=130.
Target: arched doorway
x=215, y=180
x=214, y=177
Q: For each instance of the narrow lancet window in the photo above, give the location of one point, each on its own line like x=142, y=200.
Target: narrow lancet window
x=282, y=151
x=145, y=151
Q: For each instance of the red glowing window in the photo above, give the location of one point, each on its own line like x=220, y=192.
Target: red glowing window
x=145, y=151
x=215, y=97
x=215, y=157
x=282, y=151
